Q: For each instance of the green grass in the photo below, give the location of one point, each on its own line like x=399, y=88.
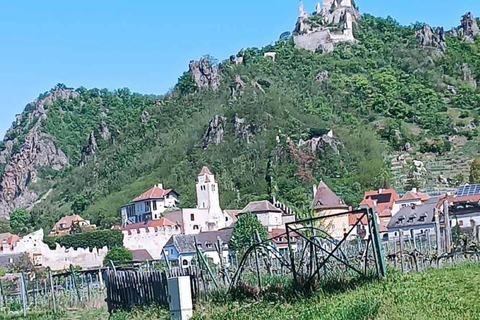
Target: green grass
x=449, y=293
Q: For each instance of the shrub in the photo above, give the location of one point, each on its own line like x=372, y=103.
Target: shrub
x=118, y=255
x=91, y=239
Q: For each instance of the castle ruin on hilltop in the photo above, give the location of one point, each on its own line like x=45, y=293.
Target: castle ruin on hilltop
x=331, y=23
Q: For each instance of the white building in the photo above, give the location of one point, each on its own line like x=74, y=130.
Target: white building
x=269, y=215
x=150, y=205
x=207, y=216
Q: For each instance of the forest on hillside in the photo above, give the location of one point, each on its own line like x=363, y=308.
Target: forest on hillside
x=258, y=131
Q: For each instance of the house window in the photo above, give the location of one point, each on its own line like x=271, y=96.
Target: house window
x=171, y=251
x=185, y=262
x=154, y=205
x=147, y=206
x=213, y=187
x=192, y=217
x=195, y=227
x=460, y=223
x=203, y=204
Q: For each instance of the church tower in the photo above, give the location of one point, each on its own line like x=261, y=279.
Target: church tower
x=208, y=198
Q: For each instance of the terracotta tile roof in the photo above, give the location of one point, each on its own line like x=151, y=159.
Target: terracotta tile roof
x=279, y=236
x=205, y=170
x=325, y=198
x=141, y=255
x=452, y=199
x=153, y=193
x=162, y=222
x=260, y=207
x=354, y=217
x=67, y=221
x=384, y=199
x=410, y=195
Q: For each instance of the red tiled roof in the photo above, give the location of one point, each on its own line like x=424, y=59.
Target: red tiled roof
x=410, y=195
x=450, y=199
x=67, y=221
x=162, y=222
x=354, y=217
x=370, y=195
x=279, y=236
x=325, y=198
x=233, y=214
x=153, y=193
x=205, y=170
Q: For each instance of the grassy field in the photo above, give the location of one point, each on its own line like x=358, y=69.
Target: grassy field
x=450, y=293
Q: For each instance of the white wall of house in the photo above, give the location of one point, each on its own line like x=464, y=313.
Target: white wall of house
x=195, y=220
x=271, y=220
x=408, y=232
x=466, y=220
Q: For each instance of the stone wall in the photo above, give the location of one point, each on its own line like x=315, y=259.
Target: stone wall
x=150, y=239
x=60, y=258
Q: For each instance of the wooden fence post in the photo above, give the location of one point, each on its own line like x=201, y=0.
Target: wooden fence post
x=448, y=232
x=401, y=250
x=52, y=292
x=438, y=237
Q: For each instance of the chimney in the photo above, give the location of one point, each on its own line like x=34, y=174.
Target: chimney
x=414, y=190
x=380, y=191
x=160, y=186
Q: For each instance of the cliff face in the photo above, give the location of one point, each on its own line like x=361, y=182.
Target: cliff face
x=27, y=149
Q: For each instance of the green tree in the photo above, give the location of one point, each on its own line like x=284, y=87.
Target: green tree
x=475, y=171
x=19, y=221
x=118, y=255
x=243, y=232
x=80, y=203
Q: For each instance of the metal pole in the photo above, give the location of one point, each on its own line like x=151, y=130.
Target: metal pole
x=401, y=250
x=437, y=234
x=377, y=244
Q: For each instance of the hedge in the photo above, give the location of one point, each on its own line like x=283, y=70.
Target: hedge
x=91, y=239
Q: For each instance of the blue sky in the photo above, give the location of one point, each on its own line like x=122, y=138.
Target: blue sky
x=145, y=45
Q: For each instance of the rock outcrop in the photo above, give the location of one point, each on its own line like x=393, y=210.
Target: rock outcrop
x=204, y=73
x=26, y=150
x=104, y=132
x=468, y=27
x=330, y=24
x=215, y=131
x=467, y=75
x=319, y=143
x=88, y=150
x=429, y=37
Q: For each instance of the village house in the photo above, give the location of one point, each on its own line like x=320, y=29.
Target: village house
x=8, y=241
x=207, y=216
x=279, y=240
x=326, y=203
x=384, y=201
x=181, y=249
x=68, y=223
x=414, y=220
x=269, y=215
x=150, y=205
x=412, y=198
x=464, y=208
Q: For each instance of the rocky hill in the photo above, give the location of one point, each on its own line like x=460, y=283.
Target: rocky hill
x=358, y=101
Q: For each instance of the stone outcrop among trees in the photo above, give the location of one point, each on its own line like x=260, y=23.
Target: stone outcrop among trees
x=204, y=73
x=428, y=37
x=330, y=24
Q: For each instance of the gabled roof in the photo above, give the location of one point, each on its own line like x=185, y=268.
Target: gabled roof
x=411, y=216
x=141, y=255
x=153, y=193
x=162, y=222
x=260, y=207
x=205, y=170
x=233, y=214
x=67, y=221
x=206, y=240
x=410, y=195
x=354, y=217
x=383, y=199
x=325, y=198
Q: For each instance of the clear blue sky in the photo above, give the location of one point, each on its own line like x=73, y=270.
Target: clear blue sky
x=146, y=44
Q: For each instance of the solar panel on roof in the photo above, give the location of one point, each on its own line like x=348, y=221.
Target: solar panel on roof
x=468, y=190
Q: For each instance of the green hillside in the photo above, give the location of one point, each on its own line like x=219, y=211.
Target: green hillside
x=376, y=95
